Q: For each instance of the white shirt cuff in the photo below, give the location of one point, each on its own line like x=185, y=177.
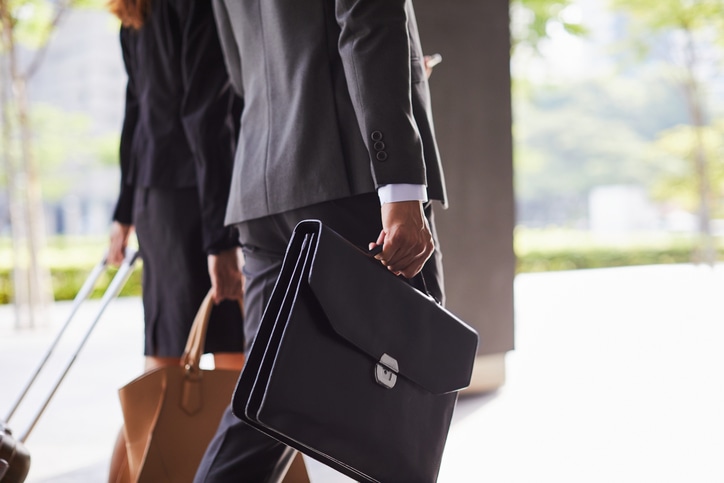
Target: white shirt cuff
x=391, y=193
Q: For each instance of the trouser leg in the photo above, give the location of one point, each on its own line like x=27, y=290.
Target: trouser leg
x=239, y=453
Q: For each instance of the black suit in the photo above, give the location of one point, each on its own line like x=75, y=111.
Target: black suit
x=336, y=104
x=177, y=148
x=178, y=129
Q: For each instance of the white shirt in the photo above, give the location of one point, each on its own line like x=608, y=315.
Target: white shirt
x=391, y=193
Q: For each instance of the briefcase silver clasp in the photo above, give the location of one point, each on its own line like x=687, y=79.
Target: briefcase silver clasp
x=386, y=371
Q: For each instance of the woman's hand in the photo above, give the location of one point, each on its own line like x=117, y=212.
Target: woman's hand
x=120, y=232
x=227, y=281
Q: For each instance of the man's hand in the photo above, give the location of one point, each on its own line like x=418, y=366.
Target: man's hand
x=405, y=238
x=227, y=281
x=119, y=241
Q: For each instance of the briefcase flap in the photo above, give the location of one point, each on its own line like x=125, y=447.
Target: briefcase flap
x=388, y=319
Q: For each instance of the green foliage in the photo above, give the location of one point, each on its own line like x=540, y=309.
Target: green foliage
x=576, y=259
x=71, y=260
x=105, y=149
x=58, y=133
x=533, y=18
x=32, y=20
x=558, y=249
x=67, y=281
x=660, y=15
x=571, y=138
x=58, y=136
x=673, y=159
x=64, y=142
x=649, y=22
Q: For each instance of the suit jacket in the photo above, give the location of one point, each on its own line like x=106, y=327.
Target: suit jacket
x=336, y=102
x=178, y=128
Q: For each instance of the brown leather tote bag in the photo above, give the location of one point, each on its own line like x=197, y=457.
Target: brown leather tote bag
x=171, y=413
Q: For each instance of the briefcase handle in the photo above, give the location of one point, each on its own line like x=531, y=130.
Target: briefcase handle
x=418, y=281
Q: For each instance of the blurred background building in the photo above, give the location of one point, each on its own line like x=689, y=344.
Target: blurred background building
x=77, y=96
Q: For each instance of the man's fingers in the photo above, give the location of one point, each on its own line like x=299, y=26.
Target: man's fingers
x=381, y=238
x=410, y=265
x=408, y=241
x=409, y=260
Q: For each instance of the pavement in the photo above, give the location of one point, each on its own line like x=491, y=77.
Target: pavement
x=616, y=377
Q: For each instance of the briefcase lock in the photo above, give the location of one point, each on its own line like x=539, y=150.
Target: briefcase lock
x=386, y=371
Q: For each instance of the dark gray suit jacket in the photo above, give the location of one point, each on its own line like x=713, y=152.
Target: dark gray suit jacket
x=336, y=102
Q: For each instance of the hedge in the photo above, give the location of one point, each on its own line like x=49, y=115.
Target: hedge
x=72, y=260
x=550, y=249
x=568, y=259
x=67, y=281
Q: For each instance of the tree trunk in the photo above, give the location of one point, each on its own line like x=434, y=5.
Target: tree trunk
x=706, y=250
x=31, y=281
x=14, y=205
x=38, y=276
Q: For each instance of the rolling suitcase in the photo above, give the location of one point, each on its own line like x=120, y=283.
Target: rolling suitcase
x=14, y=455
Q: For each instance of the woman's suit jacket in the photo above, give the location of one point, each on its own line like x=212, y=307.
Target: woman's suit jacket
x=178, y=129
x=336, y=102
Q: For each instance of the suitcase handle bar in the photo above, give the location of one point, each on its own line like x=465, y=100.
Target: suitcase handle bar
x=83, y=294
x=124, y=272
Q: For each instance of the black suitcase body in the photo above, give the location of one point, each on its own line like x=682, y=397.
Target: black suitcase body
x=14, y=455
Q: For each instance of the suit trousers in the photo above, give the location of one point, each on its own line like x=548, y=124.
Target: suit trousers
x=239, y=453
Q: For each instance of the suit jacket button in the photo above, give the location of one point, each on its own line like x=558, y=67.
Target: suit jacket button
x=376, y=136
x=381, y=156
x=379, y=146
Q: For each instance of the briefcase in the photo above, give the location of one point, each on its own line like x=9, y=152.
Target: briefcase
x=352, y=365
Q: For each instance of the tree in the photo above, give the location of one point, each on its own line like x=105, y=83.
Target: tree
x=533, y=18
x=574, y=137
x=691, y=27
x=30, y=23
x=673, y=156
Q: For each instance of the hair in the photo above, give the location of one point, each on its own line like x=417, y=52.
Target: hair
x=132, y=13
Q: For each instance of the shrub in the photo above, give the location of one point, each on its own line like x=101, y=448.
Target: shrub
x=67, y=281
x=71, y=260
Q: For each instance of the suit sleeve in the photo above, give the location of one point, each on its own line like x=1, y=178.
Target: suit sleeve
x=207, y=119
x=379, y=60
x=123, y=212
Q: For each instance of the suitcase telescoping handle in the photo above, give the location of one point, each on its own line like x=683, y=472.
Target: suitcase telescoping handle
x=117, y=283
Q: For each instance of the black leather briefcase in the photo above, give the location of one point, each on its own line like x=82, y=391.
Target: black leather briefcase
x=353, y=366
x=14, y=457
